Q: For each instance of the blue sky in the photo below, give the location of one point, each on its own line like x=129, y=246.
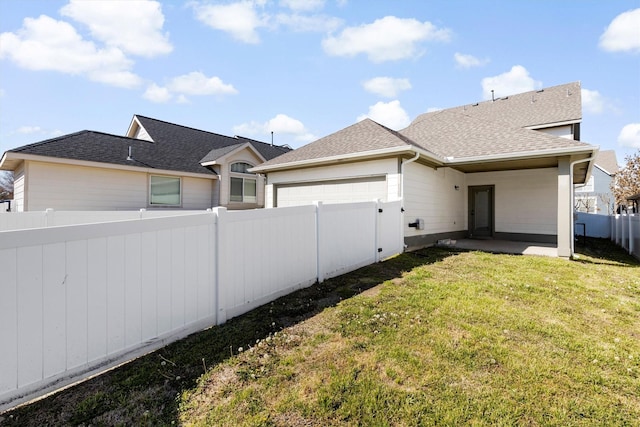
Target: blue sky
x=307, y=68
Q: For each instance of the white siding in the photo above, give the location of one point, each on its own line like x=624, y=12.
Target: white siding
x=18, y=189
x=197, y=193
x=70, y=187
x=561, y=131
x=430, y=194
x=319, y=179
x=526, y=201
x=347, y=191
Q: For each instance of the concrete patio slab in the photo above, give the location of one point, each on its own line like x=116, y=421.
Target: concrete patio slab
x=507, y=247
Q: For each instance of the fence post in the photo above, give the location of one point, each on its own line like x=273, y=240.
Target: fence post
x=219, y=231
x=49, y=217
x=319, y=241
x=629, y=216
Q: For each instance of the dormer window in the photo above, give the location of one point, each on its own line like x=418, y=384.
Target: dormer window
x=242, y=188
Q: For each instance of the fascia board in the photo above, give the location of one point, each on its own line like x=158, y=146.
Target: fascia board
x=366, y=155
x=222, y=159
x=57, y=160
x=522, y=155
x=554, y=124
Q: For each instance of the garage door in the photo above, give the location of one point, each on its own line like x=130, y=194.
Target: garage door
x=339, y=191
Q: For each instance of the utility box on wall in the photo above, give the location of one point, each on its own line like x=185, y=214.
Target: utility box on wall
x=418, y=224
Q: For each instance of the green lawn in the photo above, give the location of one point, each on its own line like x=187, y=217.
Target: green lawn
x=434, y=337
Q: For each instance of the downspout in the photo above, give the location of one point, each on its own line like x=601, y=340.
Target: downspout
x=571, y=207
x=404, y=162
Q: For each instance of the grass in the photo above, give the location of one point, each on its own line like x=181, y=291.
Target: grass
x=434, y=337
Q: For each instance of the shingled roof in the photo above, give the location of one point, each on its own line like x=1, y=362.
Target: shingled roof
x=606, y=160
x=492, y=128
x=174, y=147
x=552, y=105
x=452, y=134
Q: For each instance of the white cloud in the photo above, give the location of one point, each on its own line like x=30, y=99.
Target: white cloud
x=515, y=81
x=280, y=124
x=135, y=29
x=192, y=84
x=386, y=39
x=623, y=33
x=303, y=5
x=238, y=19
x=196, y=83
x=386, y=86
x=469, y=61
x=27, y=130
x=630, y=136
x=308, y=23
x=155, y=93
x=44, y=43
x=390, y=114
x=592, y=101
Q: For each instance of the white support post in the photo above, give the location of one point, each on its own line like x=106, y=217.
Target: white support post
x=629, y=217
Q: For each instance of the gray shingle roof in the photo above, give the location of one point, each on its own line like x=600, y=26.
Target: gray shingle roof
x=483, y=129
x=174, y=147
x=450, y=133
x=363, y=136
x=607, y=160
x=557, y=104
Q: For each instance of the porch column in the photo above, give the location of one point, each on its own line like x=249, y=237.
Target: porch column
x=565, y=208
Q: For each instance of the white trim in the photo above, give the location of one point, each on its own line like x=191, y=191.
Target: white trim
x=221, y=159
x=47, y=159
x=364, y=155
x=554, y=124
x=523, y=155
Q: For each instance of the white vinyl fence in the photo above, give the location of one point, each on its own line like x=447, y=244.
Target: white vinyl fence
x=593, y=225
x=77, y=299
x=622, y=229
x=52, y=218
x=625, y=231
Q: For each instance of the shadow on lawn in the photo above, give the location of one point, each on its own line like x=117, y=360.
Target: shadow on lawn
x=147, y=390
x=603, y=251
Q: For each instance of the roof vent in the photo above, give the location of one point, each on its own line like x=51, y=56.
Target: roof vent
x=474, y=105
x=129, y=157
x=492, y=97
x=540, y=91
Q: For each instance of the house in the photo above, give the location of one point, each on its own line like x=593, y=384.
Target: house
x=501, y=169
x=156, y=165
x=595, y=195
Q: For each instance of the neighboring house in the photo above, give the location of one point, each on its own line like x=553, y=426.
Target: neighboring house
x=156, y=165
x=496, y=169
x=595, y=195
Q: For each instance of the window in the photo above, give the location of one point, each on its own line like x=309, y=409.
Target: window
x=243, y=189
x=164, y=190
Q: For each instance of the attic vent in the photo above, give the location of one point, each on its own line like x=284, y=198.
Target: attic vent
x=540, y=91
x=474, y=105
x=505, y=98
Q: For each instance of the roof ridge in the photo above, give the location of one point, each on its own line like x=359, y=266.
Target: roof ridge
x=183, y=126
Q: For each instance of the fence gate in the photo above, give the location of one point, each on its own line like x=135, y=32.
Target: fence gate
x=390, y=239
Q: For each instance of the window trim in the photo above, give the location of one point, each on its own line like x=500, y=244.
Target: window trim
x=244, y=176
x=180, y=190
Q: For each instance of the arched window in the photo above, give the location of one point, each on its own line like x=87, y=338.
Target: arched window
x=242, y=188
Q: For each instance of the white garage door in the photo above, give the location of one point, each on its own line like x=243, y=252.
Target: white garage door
x=340, y=191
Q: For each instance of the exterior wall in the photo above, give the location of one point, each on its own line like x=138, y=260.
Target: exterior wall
x=431, y=195
x=19, y=189
x=526, y=201
x=561, y=131
x=224, y=186
x=356, y=170
x=596, y=195
x=69, y=187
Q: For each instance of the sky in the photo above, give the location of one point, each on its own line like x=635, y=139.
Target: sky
x=304, y=69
